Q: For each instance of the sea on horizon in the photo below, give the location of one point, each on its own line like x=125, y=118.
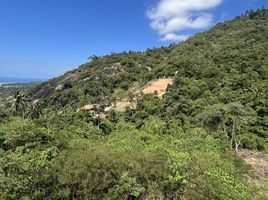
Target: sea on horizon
x=8, y=80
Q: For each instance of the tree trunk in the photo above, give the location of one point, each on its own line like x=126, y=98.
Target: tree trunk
x=233, y=133
x=237, y=144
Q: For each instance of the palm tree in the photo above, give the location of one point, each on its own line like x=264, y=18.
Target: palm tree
x=20, y=104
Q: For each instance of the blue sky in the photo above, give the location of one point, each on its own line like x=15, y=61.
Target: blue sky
x=45, y=38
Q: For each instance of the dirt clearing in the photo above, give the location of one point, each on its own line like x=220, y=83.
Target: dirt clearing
x=258, y=161
x=158, y=87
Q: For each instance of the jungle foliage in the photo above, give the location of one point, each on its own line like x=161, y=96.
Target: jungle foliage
x=179, y=147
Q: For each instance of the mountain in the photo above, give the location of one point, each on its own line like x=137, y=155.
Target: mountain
x=167, y=123
x=225, y=65
x=230, y=51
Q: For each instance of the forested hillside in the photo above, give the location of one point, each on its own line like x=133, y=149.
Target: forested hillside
x=68, y=138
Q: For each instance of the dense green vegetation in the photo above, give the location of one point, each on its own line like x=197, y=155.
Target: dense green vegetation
x=179, y=147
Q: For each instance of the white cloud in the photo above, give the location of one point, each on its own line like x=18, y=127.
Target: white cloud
x=169, y=17
x=174, y=37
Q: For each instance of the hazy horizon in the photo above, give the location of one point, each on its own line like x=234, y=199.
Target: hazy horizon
x=4, y=79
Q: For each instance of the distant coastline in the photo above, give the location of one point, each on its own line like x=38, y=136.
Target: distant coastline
x=9, y=80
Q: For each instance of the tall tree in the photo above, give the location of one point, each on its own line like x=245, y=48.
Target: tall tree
x=227, y=118
x=20, y=103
